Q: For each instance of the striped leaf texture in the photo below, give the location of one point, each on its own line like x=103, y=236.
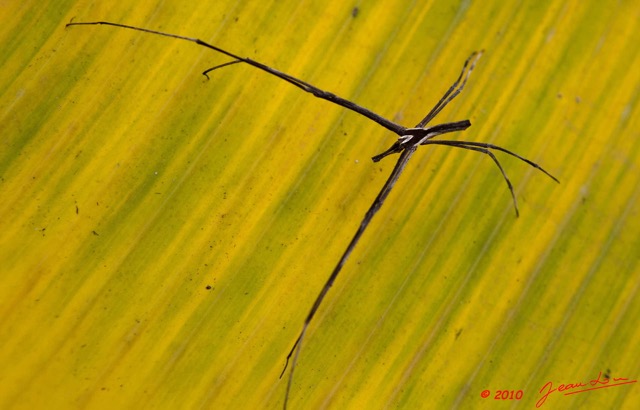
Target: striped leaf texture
x=164, y=235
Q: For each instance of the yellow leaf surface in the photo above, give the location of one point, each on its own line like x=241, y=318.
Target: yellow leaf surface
x=164, y=235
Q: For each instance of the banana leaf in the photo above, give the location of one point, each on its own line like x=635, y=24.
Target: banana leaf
x=164, y=235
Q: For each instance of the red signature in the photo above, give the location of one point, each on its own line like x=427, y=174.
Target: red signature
x=594, y=383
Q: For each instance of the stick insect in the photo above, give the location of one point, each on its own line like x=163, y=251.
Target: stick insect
x=409, y=139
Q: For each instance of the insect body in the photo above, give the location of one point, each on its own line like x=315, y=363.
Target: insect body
x=409, y=139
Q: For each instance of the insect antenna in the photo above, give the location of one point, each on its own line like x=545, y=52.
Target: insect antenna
x=491, y=146
x=207, y=71
x=454, y=90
